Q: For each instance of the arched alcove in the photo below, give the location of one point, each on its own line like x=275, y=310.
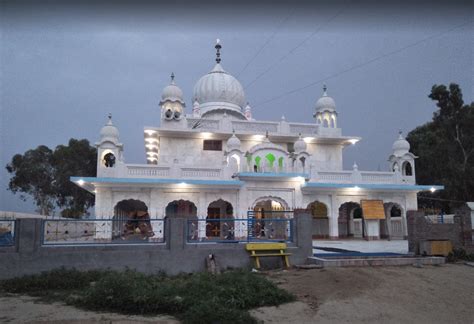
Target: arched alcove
x=320, y=226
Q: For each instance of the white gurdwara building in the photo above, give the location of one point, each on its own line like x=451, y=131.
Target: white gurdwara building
x=219, y=163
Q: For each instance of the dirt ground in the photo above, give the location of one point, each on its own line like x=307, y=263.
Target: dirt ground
x=432, y=294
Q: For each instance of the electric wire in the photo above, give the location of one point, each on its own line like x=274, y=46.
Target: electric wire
x=269, y=39
x=363, y=64
x=320, y=27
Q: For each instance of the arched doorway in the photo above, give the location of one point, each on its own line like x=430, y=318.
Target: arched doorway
x=394, y=221
x=181, y=208
x=320, y=227
x=350, y=221
x=219, y=223
x=188, y=210
x=131, y=221
x=269, y=219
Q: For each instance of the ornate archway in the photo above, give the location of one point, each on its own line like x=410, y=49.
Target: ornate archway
x=319, y=212
x=131, y=220
x=350, y=221
x=219, y=220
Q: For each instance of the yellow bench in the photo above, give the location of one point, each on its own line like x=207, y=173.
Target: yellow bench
x=278, y=249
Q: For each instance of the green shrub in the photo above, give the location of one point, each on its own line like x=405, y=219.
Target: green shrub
x=459, y=255
x=59, y=279
x=197, y=298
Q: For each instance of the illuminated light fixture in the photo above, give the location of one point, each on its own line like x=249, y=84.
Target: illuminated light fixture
x=152, y=153
x=301, y=179
x=353, y=141
x=80, y=182
x=356, y=188
x=151, y=140
x=152, y=159
x=258, y=137
x=150, y=132
x=308, y=139
x=206, y=135
x=151, y=146
x=432, y=189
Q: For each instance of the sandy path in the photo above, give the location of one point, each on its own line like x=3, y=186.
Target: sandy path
x=24, y=309
x=443, y=294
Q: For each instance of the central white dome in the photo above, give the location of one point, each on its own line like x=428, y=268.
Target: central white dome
x=219, y=90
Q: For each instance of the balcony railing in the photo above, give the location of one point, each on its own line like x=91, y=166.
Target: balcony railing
x=335, y=176
x=148, y=171
x=102, y=231
x=239, y=230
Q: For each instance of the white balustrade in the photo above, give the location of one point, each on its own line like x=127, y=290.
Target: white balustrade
x=304, y=129
x=148, y=171
x=335, y=176
x=204, y=124
x=200, y=173
x=250, y=126
x=378, y=177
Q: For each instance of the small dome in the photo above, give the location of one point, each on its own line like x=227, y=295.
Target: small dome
x=219, y=89
x=400, y=146
x=233, y=143
x=325, y=102
x=172, y=93
x=300, y=145
x=109, y=132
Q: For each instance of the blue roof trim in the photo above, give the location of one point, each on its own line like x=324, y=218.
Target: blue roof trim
x=148, y=180
x=272, y=174
x=371, y=186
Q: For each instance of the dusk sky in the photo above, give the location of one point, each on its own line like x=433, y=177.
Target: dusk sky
x=64, y=68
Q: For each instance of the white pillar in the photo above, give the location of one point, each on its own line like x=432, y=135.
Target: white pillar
x=333, y=219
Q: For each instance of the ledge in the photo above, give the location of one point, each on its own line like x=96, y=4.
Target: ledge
x=370, y=186
x=89, y=183
x=272, y=176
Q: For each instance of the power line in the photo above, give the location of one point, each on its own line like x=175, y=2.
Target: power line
x=294, y=48
x=282, y=22
x=362, y=64
x=440, y=199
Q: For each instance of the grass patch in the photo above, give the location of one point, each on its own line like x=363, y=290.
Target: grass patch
x=195, y=298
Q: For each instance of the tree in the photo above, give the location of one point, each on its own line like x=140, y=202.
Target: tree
x=44, y=174
x=76, y=159
x=34, y=176
x=445, y=147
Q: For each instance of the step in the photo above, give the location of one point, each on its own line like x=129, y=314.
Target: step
x=330, y=262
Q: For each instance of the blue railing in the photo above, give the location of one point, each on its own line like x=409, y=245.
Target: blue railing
x=239, y=230
x=7, y=232
x=102, y=231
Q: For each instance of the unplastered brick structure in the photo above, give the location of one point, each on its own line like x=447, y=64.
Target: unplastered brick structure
x=422, y=228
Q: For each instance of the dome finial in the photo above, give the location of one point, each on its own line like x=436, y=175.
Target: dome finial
x=400, y=134
x=325, y=88
x=218, y=53
x=172, y=77
x=109, y=122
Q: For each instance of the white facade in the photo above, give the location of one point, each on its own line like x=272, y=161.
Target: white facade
x=217, y=151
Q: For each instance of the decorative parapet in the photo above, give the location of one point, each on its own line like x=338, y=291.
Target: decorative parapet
x=255, y=126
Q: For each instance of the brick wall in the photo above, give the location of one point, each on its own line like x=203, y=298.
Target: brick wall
x=459, y=233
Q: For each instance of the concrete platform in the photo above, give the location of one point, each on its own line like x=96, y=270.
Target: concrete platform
x=329, y=262
x=360, y=245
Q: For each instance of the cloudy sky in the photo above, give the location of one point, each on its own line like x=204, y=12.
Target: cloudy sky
x=64, y=67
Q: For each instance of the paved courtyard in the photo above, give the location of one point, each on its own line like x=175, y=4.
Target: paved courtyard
x=380, y=246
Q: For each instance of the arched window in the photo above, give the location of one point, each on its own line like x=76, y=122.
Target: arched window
x=109, y=160
x=303, y=161
x=395, y=212
x=395, y=167
x=407, y=170
x=280, y=164
x=256, y=167
x=271, y=159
